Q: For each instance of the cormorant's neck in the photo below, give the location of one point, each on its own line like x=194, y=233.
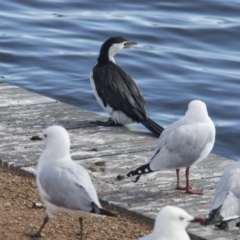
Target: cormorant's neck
x=105, y=57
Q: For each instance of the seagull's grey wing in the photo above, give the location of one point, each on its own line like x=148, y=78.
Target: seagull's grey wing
x=117, y=89
x=69, y=187
x=183, y=146
x=164, y=135
x=227, y=194
x=151, y=236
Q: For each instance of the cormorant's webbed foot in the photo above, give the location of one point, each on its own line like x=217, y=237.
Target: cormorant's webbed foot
x=108, y=123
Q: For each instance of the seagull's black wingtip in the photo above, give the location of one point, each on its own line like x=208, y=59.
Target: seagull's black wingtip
x=107, y=213
x=137, y=178
x=130, y=174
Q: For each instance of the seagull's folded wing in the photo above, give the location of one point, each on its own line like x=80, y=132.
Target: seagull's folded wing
x=69, y=187
x=183, y=146
x=227, y=192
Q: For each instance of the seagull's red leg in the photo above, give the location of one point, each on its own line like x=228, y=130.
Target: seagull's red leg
x=188, y=188
x=179, y=186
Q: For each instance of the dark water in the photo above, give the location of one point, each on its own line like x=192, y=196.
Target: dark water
x=187, y=50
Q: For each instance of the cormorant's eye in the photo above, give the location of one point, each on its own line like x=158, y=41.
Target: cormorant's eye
x=45, y=135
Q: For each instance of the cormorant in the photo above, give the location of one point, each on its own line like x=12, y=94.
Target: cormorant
x=115, y=90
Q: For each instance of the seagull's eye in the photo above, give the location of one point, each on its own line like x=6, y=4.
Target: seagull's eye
x=45, y=135
x=181, y=218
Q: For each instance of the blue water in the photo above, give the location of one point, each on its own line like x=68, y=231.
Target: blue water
x=187, y=50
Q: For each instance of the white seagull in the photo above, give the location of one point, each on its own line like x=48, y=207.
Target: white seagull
x=184, y=143
x=226, y=202
x=171, y=224
x=64, y=185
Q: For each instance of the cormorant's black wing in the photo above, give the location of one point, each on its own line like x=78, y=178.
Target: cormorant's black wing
x=117, y=89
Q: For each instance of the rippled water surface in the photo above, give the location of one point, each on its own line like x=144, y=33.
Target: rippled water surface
x=187, y=50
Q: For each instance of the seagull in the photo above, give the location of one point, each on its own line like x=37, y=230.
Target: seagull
x=226, y=201
x=171, y=224
x=64, y=185
x=116, y=92
x=184, y=143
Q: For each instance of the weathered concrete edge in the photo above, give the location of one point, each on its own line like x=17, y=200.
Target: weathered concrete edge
x=31, y=172
x=146, y=219
x=28, y=171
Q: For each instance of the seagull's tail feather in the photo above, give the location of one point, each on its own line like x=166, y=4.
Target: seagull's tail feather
x=106, y=213
x=139, y=171
x=213, y=217
x=100, y=211
x=153, y=127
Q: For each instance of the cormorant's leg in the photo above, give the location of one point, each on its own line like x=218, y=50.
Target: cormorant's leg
x=188, y=188
x=38, y=233
x=108, y=123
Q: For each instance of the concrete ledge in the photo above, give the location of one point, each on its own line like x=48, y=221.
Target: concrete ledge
x=106, y=153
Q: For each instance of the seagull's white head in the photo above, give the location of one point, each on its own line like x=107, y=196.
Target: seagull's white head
x=56, y=139
x=172, y=218
x=197, y=104
x=197, y=109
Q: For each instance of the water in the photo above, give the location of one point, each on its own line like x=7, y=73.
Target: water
x=187, y=50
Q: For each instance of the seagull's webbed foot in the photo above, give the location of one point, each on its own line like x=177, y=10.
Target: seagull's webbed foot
x=34, y=234
x=192, y=191
x=181, y=187
x=188, y=189
x=38, y=233
x=79, y=233
x=108, y=123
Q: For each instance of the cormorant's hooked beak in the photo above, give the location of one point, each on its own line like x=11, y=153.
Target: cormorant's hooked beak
x=198, y=219
x=129, y=44
x=36, y=138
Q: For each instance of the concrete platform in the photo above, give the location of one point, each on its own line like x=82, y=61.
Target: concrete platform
x=106, y=153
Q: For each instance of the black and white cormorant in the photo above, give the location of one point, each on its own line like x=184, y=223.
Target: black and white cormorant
x=116, y=92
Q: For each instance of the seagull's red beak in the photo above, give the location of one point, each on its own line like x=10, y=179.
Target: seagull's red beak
x=198, y=219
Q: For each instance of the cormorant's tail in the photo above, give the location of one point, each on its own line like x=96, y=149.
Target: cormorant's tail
x=153, y=127
x=139, y=171
x=97, y=210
